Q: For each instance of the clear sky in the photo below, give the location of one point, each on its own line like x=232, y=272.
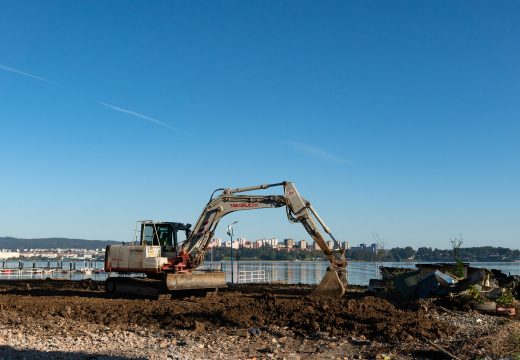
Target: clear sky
x=396, y=118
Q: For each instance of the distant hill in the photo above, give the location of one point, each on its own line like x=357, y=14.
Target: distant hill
x=53, y=243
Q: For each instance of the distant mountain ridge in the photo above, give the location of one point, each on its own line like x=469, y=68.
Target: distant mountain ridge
x=53, y=243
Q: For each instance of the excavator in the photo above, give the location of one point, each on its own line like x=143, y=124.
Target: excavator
x=171, y=265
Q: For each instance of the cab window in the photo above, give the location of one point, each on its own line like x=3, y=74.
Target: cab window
x=148, y=235
x=163, y=235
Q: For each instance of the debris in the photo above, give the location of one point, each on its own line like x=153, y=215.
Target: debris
x=473, y=278
x=388, y=272
x=181, y=342
x=506, y=311
x=437, y=283
x=360, y=341
x=480, y=289
x=383, y=357
x=444, y=351
x=376, y=286
x=446, y=268
x=254, y=331
x=488, y=306
x=293, y=356
x=407, y=283
x=238, y=332
x=198, y=326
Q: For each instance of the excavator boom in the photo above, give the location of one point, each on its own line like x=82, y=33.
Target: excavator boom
x=298, y=209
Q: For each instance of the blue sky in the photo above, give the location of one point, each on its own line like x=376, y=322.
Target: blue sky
x=393, y=118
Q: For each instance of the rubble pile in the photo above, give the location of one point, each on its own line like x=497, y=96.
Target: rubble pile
x=462, y=286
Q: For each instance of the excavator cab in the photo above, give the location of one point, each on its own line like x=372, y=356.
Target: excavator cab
x=153, y=252
x=164, y=234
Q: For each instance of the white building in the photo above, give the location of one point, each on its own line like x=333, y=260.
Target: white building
x=289, y=243
x=273, y=242
x=9, y=254
x=363, y=247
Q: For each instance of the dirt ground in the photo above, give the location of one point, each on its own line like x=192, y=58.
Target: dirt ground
x=76, y=319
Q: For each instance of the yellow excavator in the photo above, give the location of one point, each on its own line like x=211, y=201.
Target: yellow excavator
x=171, y=266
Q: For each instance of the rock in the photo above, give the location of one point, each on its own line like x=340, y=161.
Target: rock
x=254, y=331
x=242, y=332
x=181, y=342
x=486, y=306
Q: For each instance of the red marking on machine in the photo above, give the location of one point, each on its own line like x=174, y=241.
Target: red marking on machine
x=244, y=205
x=291, y=193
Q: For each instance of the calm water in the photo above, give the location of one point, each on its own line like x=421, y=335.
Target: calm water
x=311, y=272
x=305, y=272
x=66, y=269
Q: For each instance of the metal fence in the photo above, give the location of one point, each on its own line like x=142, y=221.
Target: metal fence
x=252, y=276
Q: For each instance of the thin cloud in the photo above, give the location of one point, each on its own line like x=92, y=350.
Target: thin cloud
x=316, y=152
x=141, y=116
x=23, y=73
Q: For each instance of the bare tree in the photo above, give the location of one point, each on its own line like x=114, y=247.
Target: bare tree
x=456, y=245
x=380, y=252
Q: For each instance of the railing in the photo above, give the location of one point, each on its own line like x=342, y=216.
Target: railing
x=57, y=269
x=253, y=276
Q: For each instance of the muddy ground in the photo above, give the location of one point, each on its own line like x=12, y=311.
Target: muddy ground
x=76, y=319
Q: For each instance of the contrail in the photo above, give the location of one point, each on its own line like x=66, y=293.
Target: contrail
x=316, y=152
x=113, y=107
x=142, y=116
x=19, y=72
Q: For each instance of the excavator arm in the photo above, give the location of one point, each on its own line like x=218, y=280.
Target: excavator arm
x=298, y=210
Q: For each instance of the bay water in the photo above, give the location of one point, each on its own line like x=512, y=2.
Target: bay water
x=290, y=272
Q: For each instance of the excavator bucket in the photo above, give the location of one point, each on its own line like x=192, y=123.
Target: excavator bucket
x=196, y=280
x=330, y=286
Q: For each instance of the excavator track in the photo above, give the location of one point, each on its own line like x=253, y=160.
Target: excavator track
x=176, y=285
x=143, y=287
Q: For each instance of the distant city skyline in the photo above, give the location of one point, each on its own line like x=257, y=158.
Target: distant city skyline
x=397, y=119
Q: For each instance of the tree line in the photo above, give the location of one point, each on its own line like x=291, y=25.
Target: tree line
x=12, y=243
x=263, y=253
x=484, y=253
